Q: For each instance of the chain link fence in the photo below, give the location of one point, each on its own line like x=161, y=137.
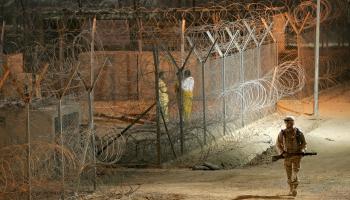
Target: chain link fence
x=80, y=93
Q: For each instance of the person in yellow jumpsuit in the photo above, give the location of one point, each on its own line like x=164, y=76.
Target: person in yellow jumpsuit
x=163, y=96
x=187, y=86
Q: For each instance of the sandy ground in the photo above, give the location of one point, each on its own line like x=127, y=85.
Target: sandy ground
x=326, y=176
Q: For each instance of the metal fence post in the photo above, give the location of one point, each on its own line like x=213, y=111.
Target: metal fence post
x=156, y=81
x=223, y=74
x=223, y=92
x=204, y=104
x=139, y=56
x=2, y=48
x=203, y=61
x=29, y=150
x=92, y=132
x=241, y=72
x=258, y=61
x=317, y=59
x=241, y=78
x=179, y=77
x=91, y=96
x=61, y=137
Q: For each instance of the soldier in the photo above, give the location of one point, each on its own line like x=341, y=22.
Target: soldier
x=291, y=140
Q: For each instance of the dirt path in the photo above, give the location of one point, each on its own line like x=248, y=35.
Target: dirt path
x=326, y=176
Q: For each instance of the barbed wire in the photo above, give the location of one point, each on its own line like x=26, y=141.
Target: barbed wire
x=252, y=96
x=69, y=49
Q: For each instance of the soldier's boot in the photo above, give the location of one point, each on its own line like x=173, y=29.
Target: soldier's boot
x=295, y=183
x=294, y=186
x=291, y=190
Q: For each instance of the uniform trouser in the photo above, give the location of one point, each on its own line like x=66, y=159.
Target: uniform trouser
x=292, y=166
x=187, y=105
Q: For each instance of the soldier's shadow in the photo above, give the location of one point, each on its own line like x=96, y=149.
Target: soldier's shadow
x=263, y=197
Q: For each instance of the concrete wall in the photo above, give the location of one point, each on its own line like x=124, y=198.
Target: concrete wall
x=43, y=123
x=14, y=63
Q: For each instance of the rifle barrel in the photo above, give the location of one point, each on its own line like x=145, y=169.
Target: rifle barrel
x=278, y=157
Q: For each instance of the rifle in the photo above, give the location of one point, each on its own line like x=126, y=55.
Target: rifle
x=278, y=157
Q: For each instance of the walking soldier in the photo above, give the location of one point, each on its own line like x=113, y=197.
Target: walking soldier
x=291, y=141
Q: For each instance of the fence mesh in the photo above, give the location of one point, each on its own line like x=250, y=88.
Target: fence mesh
x=78, y=89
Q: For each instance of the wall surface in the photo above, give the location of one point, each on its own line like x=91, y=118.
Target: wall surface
x=42, y=123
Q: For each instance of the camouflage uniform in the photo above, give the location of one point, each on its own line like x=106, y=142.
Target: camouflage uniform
x=291, y=141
